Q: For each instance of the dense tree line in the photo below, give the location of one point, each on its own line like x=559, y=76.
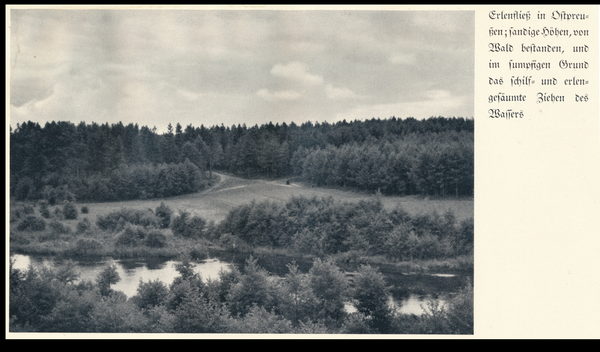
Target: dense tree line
x=114, y=162
x=63, y=161
x=427, y=164
x=250, y=300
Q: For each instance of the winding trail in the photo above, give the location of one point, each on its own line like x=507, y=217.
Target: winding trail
x=216, y=202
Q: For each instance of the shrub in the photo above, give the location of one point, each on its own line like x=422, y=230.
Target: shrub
x=155, y=239
x=131, y=236
x=179, y=224
x=233, y=243
x=32, y=223
x=185, y=226
x=116, y=220
x=14, y=215
x=19, y=211
x=357, y=323
x=198, y=253
x=195, y=226
x=84, y=247
x=150, y=294
x=460, y=312
x=260, y=321
x=163, y=213
x=85, y=209
x=308, y=242
x=59, y=228
x=44, y=211
x=18, y=238
x=83, y=226
x=58, y=213
x=28, y=209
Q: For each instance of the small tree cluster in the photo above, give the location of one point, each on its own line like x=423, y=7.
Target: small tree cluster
x=31, y=223
x=133, y=236
x=163, y=212
x=185, y=226
x=116, y=220
x=69, y=211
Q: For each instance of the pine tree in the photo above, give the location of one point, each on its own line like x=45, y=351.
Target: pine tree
x=107, y=278
x=371, y=295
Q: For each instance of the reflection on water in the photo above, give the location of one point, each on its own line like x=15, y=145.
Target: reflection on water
x=413, y=304
x=130, y=271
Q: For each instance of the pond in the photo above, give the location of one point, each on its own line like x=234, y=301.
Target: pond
x=130, y=271
x=409, y=293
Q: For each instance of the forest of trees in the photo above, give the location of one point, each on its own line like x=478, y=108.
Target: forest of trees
x=92, y=162
x=62, y=162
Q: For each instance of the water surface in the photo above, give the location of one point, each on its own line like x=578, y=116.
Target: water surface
x=130, y=271
x=409, y=294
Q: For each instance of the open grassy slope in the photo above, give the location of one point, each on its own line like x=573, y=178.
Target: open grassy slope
x=214, y=203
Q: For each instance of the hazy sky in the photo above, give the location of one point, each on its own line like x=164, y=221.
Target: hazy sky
x=153, y=67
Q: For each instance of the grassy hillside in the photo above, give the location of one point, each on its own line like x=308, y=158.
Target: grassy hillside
x=216, y=202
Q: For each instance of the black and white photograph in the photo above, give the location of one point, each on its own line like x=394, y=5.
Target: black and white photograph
x=247, y=170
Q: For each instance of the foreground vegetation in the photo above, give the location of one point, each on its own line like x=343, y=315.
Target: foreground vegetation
x=301, y=226
x=332, y=233
x=241, y=301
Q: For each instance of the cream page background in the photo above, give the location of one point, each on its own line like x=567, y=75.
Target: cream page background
x=537, y=180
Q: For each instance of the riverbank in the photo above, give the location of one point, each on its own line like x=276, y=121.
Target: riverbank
x=100, y=244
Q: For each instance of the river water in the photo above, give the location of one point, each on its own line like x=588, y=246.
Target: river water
x=132, y=271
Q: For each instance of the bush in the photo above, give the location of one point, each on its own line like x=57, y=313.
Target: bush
x=308, y=242
x=28, y=209
x=85, y=247
x=150, y=294
x=116, y=220
x=83, y=226
x=233, y=243
x=20, y=211
x=85, y=209
x=198, y=253
x=155, y=239
x=357, y=323
x=260, y=321
x=185, y=226
x=32, y=223
x=163, y=213
x=131, y=236
x=18, y=238
x=179, y=224
x=44, y=211
x=59, y=228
